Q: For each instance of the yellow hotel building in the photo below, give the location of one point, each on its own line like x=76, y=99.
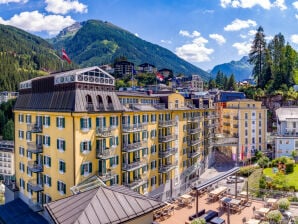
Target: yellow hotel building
x=73, y=125
x=245, y=120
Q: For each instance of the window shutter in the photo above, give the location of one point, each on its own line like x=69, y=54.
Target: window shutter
x=49, y=140
x=82, y=169
x=117, y=140
x=57, y=121
x=104, y=144
x=63, y=145
x=64, y=167
x=49, y=121
x=104, y=122
x=57, y=185
x=111, y=121
x=49, y=159
x=64, y=188
x=111, y=141
x=57, y=143
x=89, y=145
x=123, y=120
x=111, y=162
x=50, y=181
x=97, y=122
x=43, y=139
x=117, y=179
x=81, y=146
x=90, y=167
x=116, y=121
x=81, y=123
x=89, y=122
x=63, y=122
x=117, y=160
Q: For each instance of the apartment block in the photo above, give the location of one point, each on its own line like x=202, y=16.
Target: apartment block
x=7, y=169
x=72, y=126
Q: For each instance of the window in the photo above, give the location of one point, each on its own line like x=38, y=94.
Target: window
x=46, y=120
x=28, y=136
x=253, y=122
x=246, y=116
x=246, y=141
x=85, y=124
x=184, y=163
x=29, y=155
x=253, y=140
x=114, y=161
x=114, y=142
x=47, y=198
x=21, y=134
x=184, y=127
x=85, y=146
x=22, y=183
x=184, y=151
x=22, y=167
x=260, y=123
x=86, y=168
x=153, y=181
x=153, y=133
x=61, y=144
x=21, y=151
x=260, y=140
x=113, y=121
x=60, y=122
x=176, y=103
x=29, y=172
x=61, y=187
x=144, y=151
x=47, y=161
x=145, y=135
x=260, y=115
x=62, y=166
x=260, y=131
x=246, y=124
x=253, y=114
x=145, y=118
x=100, y=122
x=153, y=164
x=21, y=118
x=153, y=118
x=28, y=118
x=246, y=132
x=153, y=149
x=46, y=140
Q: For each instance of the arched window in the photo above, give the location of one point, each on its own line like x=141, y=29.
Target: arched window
x=89, y=104
x=100, y=103
x=110, y=103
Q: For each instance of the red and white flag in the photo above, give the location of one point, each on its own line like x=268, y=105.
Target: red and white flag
x=160, y=77
x=65, y=56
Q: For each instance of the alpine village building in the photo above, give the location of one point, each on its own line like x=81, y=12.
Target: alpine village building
x=73, y=126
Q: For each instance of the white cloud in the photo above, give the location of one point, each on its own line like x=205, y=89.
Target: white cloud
x=296, y=16
x=166, y=41
x=14, y=1
x=238, y=24
x=265, y=4
x=295, y=4
x=243, y=48
x=243, y=36
x=268, y=38
x=294, y=38
x=185, y=33
x=64, y=6
x=37, y=22
x=218, y=38
x=252, y=32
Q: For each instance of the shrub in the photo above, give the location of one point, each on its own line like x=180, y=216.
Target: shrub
x=274, y=216
x=245, y=171
x=199, y=221
x=290, y=166
x=283, y=203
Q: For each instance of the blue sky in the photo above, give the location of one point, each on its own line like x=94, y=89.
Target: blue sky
x=203, y=32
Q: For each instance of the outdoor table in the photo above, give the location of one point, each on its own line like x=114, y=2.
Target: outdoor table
x=235, y=202
x=263, y=210
x=225, y=199
x=186, y=198
x=253, y=221
x=243, y=193
x=218, y=190
x=217, y=220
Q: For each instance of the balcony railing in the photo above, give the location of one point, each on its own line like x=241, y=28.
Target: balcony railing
x=167, y=152
x=101, y=107
x=193, y=142
x=235, y=117
x=235, y=126
x=194, y=130
x=34, y=128
x=193, y=119
x=226, y=124
x=134, y=146
x=106, y=153
x=192, y=169
x=134, y=165
x=34, y=147
x=166, y=168
x=137, y=182
x=169, y=123
x=104, y=132
x=193, y=154
x=134, y=127
x=35, y=167
x=110, y=174
x=167, y=138
x=226, y=116
x=34, y=186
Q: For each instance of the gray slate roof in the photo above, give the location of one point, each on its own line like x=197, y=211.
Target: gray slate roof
x=116, y=204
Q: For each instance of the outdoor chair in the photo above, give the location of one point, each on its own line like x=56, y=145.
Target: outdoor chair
x=156, y=215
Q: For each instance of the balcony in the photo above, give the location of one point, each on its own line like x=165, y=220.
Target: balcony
x=226, y=116
x=35, y=205
x=110, y=174
x=193, y=154
x=137, y=181
x=134, y=165
x=168, y=123
x=166, y=168
x=104, y=132
x=106, y=153
x=193, y=119
x=34, y=128
x=35, y=167
x=34, y=186
x=134, y=146
x=235, y=117
x=226, y=124
x=235, y=126
x=167, y=138
x=34, y=147
x=194, y=130
x=167, y=152
x=134, y=127
x=193, y=142
x=192, y=169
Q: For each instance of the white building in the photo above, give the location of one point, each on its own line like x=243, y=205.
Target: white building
x=286, y=140
x=7, y=159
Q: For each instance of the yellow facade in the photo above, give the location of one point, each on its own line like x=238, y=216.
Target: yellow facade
x=143, y=149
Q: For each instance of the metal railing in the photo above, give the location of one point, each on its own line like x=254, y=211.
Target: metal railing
x=106, y=153
x=134, y=127
x=193, y=119
x=34, y=147
x=134, y=146
x=194, y=130
x=167, y=152
x=110, y=174
x=166, y=168
x=134, y=165
x=193, y=142
x=167, y=138
x=34, y=128
x=193, y=154
x=34, y=186
x=105, y=132
x=168, y=123
x=34, y=166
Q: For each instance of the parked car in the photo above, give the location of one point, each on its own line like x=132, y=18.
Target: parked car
x=232, y=179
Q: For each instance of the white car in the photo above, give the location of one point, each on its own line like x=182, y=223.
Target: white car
x=232, y=179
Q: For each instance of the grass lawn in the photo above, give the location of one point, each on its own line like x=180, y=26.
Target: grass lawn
x=290, y=178
x=253, y=180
